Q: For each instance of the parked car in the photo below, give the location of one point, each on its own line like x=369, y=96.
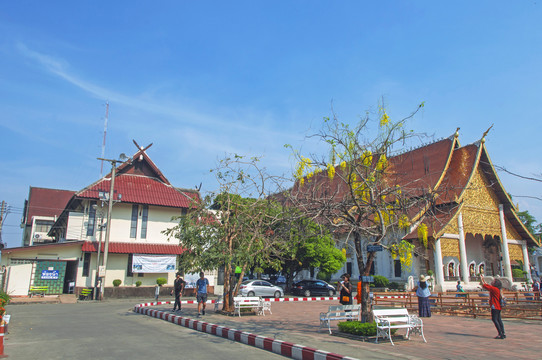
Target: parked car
x=260, y=288
x=312, y=287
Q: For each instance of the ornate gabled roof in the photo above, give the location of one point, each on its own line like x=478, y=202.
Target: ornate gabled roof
x=443, y=169
x=140, y=189
x=457, y=179
x=139, y=181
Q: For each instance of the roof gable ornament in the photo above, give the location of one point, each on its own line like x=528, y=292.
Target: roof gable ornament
x=483, y=140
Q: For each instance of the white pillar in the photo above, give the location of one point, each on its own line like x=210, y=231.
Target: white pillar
x=505, y=254
x=526, y=263
x=439, y=274
x=462, y=250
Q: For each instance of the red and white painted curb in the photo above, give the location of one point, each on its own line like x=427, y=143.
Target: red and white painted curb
x=266, y=299
x=284, y=348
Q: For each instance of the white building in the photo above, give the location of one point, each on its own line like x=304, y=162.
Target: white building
x=66, y=256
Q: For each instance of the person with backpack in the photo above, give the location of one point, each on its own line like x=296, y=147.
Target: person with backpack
x=495, y=302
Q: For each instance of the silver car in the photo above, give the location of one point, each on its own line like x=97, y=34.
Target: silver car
x=260, y=288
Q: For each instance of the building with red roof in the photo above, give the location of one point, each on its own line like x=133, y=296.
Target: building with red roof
x=66, y=254
x=472, y=224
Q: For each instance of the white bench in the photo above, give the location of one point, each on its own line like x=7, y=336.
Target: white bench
x=387, y=319
x=252, y=302
x=339, y=312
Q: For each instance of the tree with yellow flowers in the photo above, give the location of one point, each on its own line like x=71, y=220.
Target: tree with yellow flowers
x=356, y=191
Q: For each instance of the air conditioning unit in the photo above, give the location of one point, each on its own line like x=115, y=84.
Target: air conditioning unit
x=37, y=236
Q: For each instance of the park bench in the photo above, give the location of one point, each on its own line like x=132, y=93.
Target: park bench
x=85, y=294
x=388, y=319
x=338, y=312
x=38, y=290
x=250, y=302
x=266, y=306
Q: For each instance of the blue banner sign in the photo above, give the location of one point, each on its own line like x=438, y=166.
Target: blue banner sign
x=373, y=248
x=49, y=274
x=368, y=279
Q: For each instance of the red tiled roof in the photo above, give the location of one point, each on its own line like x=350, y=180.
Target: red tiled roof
x=134, y=248
x=40, y=247
x=142, y=190
x=457, y=174
x=46, y=202
x=419, y=170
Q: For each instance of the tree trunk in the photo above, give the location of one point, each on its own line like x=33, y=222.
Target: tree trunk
x=227, y=305
x=364, y=269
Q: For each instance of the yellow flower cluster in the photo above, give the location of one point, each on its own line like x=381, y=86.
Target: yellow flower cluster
x=422, y=234
x=330, y=171
x=404, y=223
x=403, y=251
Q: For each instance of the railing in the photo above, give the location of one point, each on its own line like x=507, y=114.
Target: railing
x=520, y=304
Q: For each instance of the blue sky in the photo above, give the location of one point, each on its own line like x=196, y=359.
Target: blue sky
x=202, y=79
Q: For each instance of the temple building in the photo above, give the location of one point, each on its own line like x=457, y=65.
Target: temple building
x=471, y=224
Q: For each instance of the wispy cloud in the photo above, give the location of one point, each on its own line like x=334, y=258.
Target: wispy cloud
x=62, y=69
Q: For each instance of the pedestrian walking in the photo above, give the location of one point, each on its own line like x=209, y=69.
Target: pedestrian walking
x=178, y=287
x=423, y=293
x=201, y=296
x=156, y=292
x=495, y=299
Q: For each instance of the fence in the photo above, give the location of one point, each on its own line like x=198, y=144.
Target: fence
x=520, y=304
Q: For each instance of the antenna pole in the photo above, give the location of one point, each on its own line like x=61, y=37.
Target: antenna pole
x=105, y=133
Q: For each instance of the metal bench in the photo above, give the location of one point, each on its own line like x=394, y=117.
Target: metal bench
x=338, y=312
x=38, y=290
x=250, y=302
x=388, y=319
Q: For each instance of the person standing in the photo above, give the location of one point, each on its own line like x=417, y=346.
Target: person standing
x=201, y=296
x=178, y=287
x=495, y=304
x=345, y=290
x=423, y=293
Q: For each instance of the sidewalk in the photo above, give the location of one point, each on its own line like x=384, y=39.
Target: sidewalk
x=448, y=337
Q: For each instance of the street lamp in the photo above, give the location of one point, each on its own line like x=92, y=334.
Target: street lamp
x=113, y=162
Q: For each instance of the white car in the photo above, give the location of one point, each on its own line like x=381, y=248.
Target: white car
x=260, y=288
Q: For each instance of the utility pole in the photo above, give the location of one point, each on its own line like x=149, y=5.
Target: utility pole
x=110, y=200
x=3, y=214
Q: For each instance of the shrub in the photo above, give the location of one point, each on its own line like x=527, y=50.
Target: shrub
x=117, y=282
x=138, y=283
x=394, y=285
x=359, y=328
x=518, y=273
x=322, y=275
x=161, y=281
x=381, y=281
x=4, y=296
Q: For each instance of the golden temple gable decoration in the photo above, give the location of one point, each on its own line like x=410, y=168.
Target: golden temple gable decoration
x=511, y=232
x=481, y=207
x=449, y=247
x=515, y=252
x=452, y=227
x=479, y=194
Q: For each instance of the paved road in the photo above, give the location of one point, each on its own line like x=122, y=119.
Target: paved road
x=110, y=330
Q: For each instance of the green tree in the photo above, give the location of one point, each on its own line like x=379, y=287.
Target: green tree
x=530, y=222
x=234, y=226
x=310, y=246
